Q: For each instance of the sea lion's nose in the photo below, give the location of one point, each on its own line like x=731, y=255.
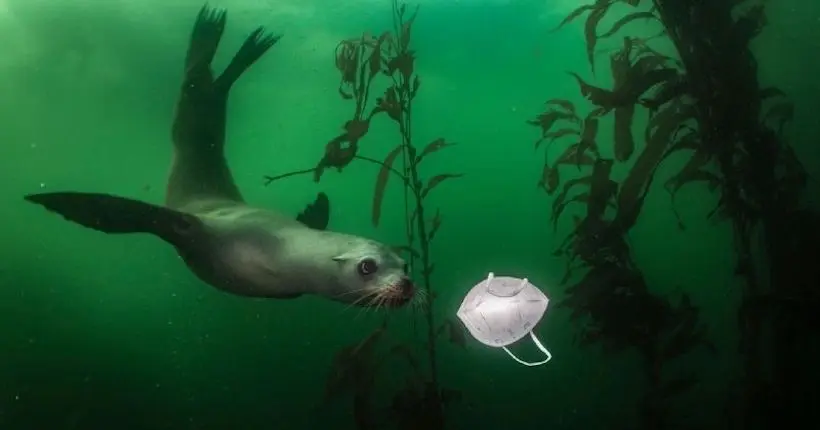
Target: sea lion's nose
x=407, y=287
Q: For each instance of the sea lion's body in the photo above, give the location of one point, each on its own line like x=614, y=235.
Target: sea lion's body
x=255, y=252
x=227, y=243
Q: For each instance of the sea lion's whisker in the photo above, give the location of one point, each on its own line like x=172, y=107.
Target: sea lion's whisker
x=382, y=300
x=416, y=304
x=355, y=302
x=419, y=299
x=375, y=296
x=384, y=296
x=356, y=291
x=367, y=295
x=373, y=304
x=361, y=311
x=381, y=297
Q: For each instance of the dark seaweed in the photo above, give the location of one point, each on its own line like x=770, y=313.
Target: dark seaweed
x=709, y=103
x=612, y=302
x=761, y=183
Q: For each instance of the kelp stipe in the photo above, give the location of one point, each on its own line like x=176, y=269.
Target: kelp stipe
x=361, y=61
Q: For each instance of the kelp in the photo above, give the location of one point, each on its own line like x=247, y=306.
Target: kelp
x=612, y=303
x=389, y=59
x=381, y=183
x=596, y=11
x=357, y=368
x=740, y=130
x=583, y=132
x=633, y=77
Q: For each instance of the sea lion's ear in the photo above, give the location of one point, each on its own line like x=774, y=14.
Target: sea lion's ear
x=343, y=257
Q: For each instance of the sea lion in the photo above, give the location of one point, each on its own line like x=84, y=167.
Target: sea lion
x=226, y=243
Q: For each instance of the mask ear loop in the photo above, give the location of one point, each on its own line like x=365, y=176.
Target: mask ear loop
x=529, y=364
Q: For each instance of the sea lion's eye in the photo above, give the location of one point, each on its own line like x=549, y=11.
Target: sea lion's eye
x=367, y=267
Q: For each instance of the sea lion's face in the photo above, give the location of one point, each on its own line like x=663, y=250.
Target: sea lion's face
x=373, y=275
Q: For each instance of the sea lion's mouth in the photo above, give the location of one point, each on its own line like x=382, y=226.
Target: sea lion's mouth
x=399, y=294
x=392, y=295
x=398, y=301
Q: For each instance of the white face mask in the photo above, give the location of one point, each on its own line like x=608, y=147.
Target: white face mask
x=499, y=311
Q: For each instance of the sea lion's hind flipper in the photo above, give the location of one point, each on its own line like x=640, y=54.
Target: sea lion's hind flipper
x=255, y=46
x=112, y=214
x=204, y=41
x=317, y=214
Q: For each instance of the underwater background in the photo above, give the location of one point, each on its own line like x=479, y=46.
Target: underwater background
x=113, y=332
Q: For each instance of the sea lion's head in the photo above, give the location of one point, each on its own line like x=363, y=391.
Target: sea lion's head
x=372, y=274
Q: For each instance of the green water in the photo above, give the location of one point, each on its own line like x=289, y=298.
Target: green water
x=113, y=332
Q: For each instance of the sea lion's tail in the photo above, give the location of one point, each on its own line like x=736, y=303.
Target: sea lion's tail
x=198, y=130
x=256, y=44
x=113, y=214
x=204, y=41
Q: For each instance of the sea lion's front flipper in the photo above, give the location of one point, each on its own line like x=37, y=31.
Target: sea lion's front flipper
x=317, y=214
x=112, y=214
